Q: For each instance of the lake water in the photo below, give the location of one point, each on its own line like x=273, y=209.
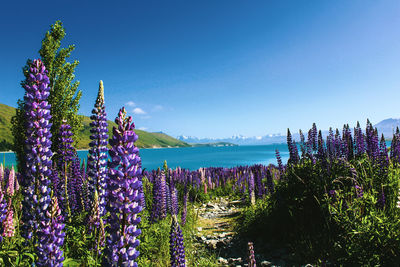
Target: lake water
x=195, y=157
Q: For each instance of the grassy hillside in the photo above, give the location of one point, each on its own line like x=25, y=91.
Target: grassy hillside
x=146, y=139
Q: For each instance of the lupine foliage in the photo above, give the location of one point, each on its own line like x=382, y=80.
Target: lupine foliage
x=336, y=203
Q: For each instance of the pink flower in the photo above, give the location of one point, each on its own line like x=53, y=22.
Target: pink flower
x=11, y=180
x=9, y=228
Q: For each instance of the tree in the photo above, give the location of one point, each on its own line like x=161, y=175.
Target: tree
x=64, y=95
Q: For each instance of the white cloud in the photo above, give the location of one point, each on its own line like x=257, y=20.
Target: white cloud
x=139, y=111
x=143, y=128
x=130, y=104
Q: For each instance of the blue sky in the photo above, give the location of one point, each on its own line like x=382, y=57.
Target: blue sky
x=219, y=68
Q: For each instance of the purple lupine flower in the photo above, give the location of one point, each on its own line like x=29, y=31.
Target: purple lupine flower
x=330, y=145
x=38, y=154
x=168, y=199
x=184, y=209
x=321, y=153
x=11, y=182
x=97, y=160
x=162, y=195
x=381, y=200
x=302, y=144
x=338, y=145
x=372, y=141
x=123, y=194
x=383, y=157
x=141, y=192
x=177, y=249
x=359, y=139
x=312, y=137
x=96, y=223
x=359, y=191
x=174, y=200
x=52, y=235
x=293, y=152
x=65, y=151
x=9, y=228
x=252, y=258
x=270, y=182
x=3, y=212
x=347, y=143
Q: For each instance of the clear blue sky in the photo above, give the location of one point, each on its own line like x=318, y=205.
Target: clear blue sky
x=218, y=68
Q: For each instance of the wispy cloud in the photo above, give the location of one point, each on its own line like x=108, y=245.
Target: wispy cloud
x=139, y=111
x=143, y=128
x=157, y=108
x=130, y=104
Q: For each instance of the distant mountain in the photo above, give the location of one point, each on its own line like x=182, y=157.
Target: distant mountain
x=387, y=127
x=218, y=144
x=146, y=139
x=237, y=139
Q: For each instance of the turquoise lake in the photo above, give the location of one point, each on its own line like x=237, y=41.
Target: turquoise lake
x=195, y=157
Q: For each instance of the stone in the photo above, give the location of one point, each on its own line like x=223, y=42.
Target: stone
x=266, y=264
x=222, y=260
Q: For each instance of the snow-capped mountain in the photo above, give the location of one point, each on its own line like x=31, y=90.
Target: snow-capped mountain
x=387, y=127
x=237, y=139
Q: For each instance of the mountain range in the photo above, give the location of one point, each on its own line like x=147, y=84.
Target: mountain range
x=387, y=127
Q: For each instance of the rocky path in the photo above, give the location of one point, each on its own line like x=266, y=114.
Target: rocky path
x=216, y=231
x=216, y=222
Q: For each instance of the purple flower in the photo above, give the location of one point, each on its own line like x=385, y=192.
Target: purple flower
x=359, y=191
x=36, y=182
x=177, y=249
x=293, y=152
x=184, y=210
x=96, y=226
x=51, y=237
x=97, y=165
x=279, y=159
x=65, y=151
x=123, y=194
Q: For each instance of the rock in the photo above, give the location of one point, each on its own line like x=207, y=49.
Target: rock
x=212, y=243
x=222, y=260
x=210, y=205
x=266, y=263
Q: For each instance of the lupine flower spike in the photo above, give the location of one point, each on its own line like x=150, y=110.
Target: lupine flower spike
x=177, y=249
x=97, y=165
x=252, y=258
x=123, y=194
x=38, y=159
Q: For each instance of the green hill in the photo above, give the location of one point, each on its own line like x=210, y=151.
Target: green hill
x=146, y=139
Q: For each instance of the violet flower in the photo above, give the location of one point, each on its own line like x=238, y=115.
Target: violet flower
x=177, y=249
x=65, y=151
x=123, y=194
x=38, y=155
x=52, y=237
x=97, y=160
